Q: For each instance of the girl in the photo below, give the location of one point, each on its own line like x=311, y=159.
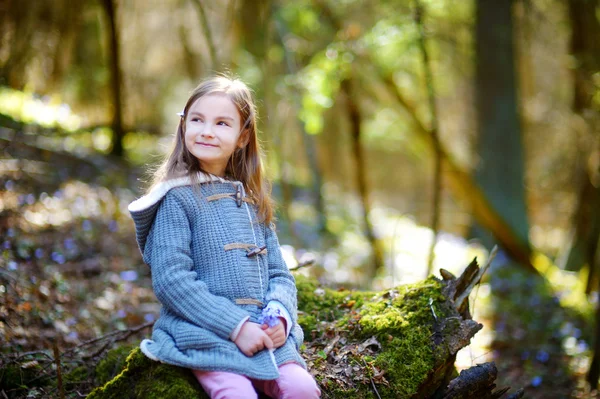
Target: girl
x=205, y=228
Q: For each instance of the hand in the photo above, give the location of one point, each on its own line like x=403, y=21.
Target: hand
x=276, y=333
x=252, y=339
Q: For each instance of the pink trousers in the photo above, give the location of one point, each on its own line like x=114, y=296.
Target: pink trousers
x=293, y=383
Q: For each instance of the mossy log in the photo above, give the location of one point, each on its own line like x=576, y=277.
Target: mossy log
x=399, y=343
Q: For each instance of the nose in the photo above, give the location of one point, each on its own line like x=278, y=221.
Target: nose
x=207, y=130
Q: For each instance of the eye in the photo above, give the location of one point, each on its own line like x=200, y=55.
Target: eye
x=223, y=123
x=196, y=119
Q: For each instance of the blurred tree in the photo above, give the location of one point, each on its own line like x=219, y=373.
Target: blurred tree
x=116, y=80
x=585, y=49
x=208, y=36
x=310, y=145
x=437, y=158
x=355, y=118
x=583, y=246
x=500, y=167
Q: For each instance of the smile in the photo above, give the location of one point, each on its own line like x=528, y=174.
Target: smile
x=206, y=145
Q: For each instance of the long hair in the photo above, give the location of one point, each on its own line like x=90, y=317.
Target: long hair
x=244, y=165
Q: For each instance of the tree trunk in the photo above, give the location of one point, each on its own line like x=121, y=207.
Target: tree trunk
x=583, y=248
x=500, y=170
x=212, y=51
x=116, y=77
x=361, y=179
x=310, y=145
x=435, y=136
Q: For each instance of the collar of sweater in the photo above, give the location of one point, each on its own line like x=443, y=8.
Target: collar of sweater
x=161, y=189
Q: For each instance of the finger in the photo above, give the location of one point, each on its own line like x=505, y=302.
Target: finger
x=267, y=341
x=265, y=326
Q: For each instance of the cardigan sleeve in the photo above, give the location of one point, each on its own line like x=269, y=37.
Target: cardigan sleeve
x=175, y=283
x=282, y=285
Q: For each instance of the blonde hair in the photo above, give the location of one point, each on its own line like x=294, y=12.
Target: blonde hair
x=244, y=165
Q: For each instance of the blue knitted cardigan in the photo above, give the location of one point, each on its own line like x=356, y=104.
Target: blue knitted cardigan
x=209, y=273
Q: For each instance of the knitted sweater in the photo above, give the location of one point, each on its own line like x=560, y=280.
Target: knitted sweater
x=209, y=273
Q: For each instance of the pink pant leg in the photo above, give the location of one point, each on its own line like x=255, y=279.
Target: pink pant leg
x=223, y=385
x=293, y=383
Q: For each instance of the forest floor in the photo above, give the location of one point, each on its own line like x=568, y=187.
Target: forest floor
x=72, y=280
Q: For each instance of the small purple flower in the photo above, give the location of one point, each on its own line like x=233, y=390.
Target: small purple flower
x=9, y=185
x=39, y=253
x=12, y=265
x=113, y=226
x=121, y=314
x=69, y=244
x=73, y=336
x=536, y=381
x=149, y=317
x=542, y=356
x=269, y=316
x=86, y=225
x=58, y=257
x=129, y=275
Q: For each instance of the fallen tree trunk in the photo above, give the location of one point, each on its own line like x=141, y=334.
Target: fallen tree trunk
x=400, y=343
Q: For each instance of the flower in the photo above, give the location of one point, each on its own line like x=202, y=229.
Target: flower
x=269, y=316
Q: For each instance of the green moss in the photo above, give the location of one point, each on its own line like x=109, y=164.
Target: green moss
x=407, y=360
x=395, y=310
x=404, y=314
x=112, y=364
x=144, y=378
x=317, y=304
x=17, y=379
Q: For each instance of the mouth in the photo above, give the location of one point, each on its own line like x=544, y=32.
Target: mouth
x=205, y=144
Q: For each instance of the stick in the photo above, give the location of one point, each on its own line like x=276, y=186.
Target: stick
x=465, y=294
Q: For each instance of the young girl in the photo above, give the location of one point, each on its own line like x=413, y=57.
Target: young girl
x=205, y=228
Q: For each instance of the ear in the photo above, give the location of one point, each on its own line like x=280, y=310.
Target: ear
x=244, y=138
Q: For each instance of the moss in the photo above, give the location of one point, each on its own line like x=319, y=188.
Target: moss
x=14, y=378
x=144, y=378
x=18, y=380
x=317, y=304
x=404, y=314
x=112, y=364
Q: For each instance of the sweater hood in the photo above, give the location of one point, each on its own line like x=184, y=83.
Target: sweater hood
x=143, y=210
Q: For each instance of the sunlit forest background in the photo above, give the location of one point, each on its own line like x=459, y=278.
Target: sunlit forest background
x=400, y=136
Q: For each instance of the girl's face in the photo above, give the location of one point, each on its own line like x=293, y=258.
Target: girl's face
x=212, y=131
